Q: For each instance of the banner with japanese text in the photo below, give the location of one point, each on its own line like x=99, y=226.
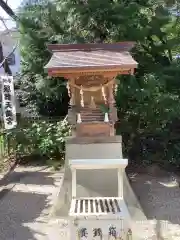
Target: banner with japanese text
x=8, y=102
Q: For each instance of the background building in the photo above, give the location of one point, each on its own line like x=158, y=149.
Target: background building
x=9, y=39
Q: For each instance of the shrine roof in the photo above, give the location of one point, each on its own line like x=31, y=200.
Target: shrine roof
x=69, y=57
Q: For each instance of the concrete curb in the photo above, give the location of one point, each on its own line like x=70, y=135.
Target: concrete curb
x=132, y=201
x=55, y=197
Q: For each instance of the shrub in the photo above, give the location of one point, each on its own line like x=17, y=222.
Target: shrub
x=149, y=121
x=41, y=138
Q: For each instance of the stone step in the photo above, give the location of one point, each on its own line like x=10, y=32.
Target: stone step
x=92, y=117
x=88, y=115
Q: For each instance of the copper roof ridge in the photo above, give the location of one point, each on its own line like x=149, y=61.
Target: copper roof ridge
x=118, y=46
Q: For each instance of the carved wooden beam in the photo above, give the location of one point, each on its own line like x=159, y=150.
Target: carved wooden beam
x=104, y=72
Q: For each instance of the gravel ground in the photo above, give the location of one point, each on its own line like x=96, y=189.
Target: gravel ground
x=26, y=198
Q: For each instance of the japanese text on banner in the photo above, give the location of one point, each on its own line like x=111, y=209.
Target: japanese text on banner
x=8, y=102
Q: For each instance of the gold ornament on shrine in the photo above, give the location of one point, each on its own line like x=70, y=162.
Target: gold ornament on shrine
x=82, y=97
x=92, y=104
x=104, y=94
x=115, y=88
x=69, y=89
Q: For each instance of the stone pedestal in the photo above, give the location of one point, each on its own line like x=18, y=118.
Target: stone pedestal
x=103, y=182
x=97, y=182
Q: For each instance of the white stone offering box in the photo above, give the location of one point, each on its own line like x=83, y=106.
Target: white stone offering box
x=99, y=217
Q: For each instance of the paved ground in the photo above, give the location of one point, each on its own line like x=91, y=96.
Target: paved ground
x=27, y=195
x=160, y=199
x=26, y=198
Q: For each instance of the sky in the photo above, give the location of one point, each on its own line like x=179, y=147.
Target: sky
x=13, y=4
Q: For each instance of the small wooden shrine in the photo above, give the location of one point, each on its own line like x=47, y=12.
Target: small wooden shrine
x=91, y=70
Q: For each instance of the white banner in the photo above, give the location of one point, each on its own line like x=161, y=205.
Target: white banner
x=8, y=102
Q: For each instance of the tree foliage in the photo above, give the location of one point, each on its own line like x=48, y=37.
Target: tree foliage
x=148, y=103
x=40, y=138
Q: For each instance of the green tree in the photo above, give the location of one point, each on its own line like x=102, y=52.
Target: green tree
x=92, y=21
x=47, y=95
x=148, y=104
